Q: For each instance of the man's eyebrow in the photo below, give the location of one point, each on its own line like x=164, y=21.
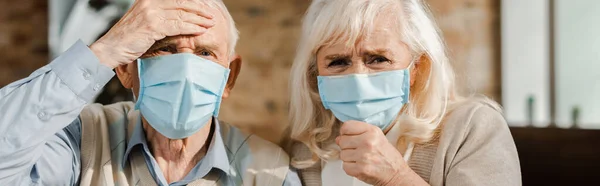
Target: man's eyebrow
x=163, y=43
x=213, y=47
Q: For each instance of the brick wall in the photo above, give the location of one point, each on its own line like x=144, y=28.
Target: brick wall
x=23, y=38
x=472, y=32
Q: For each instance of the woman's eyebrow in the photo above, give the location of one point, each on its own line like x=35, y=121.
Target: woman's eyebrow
x=381, y=51
x=337, y=56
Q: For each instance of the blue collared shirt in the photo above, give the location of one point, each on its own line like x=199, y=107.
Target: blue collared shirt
x=40, y=129
x=215, y=159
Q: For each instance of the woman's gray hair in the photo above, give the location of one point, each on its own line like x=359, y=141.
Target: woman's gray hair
x=330, y=22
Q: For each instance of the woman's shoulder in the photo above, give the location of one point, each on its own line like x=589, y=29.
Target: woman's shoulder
x=475, y=115
x=476, y=146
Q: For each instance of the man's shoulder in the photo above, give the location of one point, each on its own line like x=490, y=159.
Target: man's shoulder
x=119, y=107
x=116, y=116
x=104, y=129
x=115, y=111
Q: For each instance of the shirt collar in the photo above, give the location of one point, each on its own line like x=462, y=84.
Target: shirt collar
x=216, y=155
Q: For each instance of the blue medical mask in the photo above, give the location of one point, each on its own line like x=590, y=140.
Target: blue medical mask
x=371, y=98
x=179, y=93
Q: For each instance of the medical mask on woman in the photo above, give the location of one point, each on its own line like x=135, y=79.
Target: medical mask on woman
x=371, y=98
x=179, y=93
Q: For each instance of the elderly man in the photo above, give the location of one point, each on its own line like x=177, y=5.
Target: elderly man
x=178, y=58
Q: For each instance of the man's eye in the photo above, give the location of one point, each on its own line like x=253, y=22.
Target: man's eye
x=165, y=49
x=339, y=63
x=205, y=53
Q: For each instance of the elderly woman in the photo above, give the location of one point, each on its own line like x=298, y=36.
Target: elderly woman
x=374, y=102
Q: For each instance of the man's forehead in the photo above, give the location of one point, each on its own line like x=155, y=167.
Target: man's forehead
x=216, y=37
x=179, y=39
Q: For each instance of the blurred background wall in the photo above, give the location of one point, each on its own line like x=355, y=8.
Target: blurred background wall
x=505, y=49
x=23, y=38
x=269, y=32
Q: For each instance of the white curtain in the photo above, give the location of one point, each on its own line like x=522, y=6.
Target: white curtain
x=71, y=20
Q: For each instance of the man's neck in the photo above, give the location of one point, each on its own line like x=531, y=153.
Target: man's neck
x=176, y=158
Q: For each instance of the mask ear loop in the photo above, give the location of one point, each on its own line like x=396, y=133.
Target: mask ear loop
x=141, y=92
x=413, y=61
x=409, y=69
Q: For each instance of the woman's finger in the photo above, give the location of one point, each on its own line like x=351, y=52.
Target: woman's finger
x=354, y=128
x=352, y=168
x=350, y=155
x=348, y=142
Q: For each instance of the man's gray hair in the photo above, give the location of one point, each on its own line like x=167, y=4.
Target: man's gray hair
x=233, y=32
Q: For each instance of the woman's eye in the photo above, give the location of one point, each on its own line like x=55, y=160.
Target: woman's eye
x=338, y=63
x=378, y=59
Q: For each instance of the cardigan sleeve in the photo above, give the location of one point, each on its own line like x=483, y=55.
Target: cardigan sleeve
x=486, y=154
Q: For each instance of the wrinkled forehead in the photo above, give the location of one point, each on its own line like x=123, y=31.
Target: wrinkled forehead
x=216, y=37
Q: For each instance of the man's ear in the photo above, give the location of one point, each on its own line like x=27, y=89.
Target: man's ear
x=125, y=75
x=235, y=66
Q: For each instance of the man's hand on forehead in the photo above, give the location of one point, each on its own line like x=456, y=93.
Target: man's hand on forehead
x=148, y=21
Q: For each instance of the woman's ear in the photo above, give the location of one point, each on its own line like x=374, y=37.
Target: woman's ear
x=126, y=74
x=415, y=69
x=235, y=66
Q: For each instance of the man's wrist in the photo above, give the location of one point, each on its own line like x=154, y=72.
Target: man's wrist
x=100, y=50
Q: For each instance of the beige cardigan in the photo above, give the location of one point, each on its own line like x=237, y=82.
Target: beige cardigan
x=475, y=148
x=107, y=129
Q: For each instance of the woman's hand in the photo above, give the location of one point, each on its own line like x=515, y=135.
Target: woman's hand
x=146, y=22
x=368, y=156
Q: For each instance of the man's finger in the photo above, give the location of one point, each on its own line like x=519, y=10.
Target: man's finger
x=193, y=6
x=354, y=128
x=175, y=28
x=180, y=15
